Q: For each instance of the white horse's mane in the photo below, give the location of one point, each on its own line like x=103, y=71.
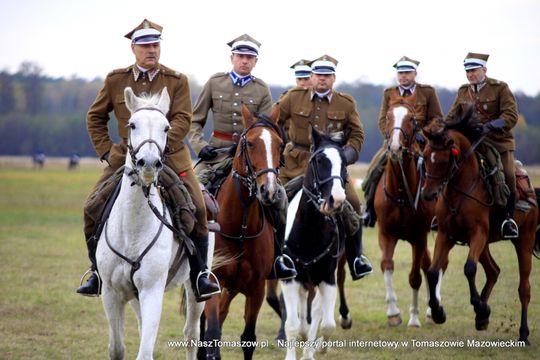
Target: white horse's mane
x=148, y=100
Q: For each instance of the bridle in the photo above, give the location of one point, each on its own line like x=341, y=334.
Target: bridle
x=408, y=138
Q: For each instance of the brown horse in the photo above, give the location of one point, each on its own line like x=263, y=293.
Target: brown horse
x=400, y=211
x=465, y=215
x=246, y=236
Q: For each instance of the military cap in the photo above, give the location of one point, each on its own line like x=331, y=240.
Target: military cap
x=324, y=65
x=301, y=69
x=245, y=44
x=146, y=32
x=475, y=61
x=406, y=64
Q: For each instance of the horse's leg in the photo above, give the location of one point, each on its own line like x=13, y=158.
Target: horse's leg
x=419, y=249
x=271, y=296
x=291, y=293
x=114, y=309
x=213, y=326
x=328, y=301
x=136, y=306
x=192, y=328
x=251, y=312
x=345, y=318
x=316, y=317
x=435, y=274
x=304, y=309
x=151, y=303
x=387, y=244
x=492, y=271
x=424, y=265
x=524, y=245
x=477, y=244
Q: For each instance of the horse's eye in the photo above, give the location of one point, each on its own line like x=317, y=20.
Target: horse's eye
x=167, y=128
x=131, y=126
x=250, y=144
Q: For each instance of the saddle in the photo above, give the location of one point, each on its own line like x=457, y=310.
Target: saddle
x=525, y=189
x=173, y=191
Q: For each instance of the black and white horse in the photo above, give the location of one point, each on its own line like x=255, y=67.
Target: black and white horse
x=315, y=242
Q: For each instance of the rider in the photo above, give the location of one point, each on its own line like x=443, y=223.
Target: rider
x=149, y=76
x=492, y=99
x=327, y=111
x=225, y=93
x=427, y=107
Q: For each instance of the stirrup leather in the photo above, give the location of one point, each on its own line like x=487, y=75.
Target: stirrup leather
x=208, y=274
x=90, y=271
x=512, y=224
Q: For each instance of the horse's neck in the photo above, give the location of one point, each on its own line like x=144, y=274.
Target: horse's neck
x=467, y=177
x=134, y=204
x=231, y=192
x=394, y=174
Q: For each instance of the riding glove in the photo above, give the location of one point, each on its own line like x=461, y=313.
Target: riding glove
x=208, y=153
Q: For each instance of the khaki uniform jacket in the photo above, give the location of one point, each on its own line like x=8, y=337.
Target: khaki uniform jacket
x=493, y=101
x=225, y=100
x=111, y=98
x=426, y=108
x=299, y=108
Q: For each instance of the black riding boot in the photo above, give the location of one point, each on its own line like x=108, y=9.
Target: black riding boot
x=282, y=270
x=359, y=265
x=370, y=217
x=509, y=228
x=92, y=287
x=203, y=287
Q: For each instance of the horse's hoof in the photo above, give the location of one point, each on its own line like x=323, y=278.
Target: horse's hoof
x=346, y=323
x=414, y=323
x=438, y=315
x=481, y=323
x=281, y=335
x=482, y=316
x=394, y=320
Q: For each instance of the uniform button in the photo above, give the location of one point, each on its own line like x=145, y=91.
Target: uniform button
x=316, y=125
x=250, y=101
x=316, y=116
x=235, y=104
x=318, y=108
x=236, y=94
x=220, y=96
x=234, y=114
x=234, y=124
x=144, y=83
x=301, y=113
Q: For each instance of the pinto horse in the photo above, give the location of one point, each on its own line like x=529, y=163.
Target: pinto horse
x=315, y=241
x=401, y=212
x=246, y=236
x=135, y=248
x=465, y=215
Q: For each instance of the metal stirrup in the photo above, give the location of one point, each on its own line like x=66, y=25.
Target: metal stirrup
x=99, y=282
x=208, y=274
x=513, y=223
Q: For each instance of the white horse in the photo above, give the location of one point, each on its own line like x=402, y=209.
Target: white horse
x=135, y=249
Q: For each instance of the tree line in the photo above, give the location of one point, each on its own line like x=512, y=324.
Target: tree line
x=40, y=113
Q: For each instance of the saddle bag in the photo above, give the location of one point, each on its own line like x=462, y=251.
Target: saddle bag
x=491, y=163
x=351, y=220
x=177, y=199
x=96, y=202
x=523, y=185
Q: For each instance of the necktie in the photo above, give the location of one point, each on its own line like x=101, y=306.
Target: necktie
x=406, y=92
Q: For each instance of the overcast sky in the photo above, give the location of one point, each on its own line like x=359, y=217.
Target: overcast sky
x=67, y=37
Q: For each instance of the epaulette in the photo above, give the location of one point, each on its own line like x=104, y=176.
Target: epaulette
x=219, y=74
x=259, y=81
x=491, y=81
x=120, y=71
x=298, y=88
x=389, y=89
x=464, y=86
x=169, y=72
x=425, y=86
x=346, y=96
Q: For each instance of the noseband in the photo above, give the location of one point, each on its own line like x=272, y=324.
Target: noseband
x=315, y=194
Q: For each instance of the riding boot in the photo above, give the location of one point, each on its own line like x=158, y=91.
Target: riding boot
x=370, y=217
x=509, y=228
x=282, y=270
x=359, y=265
x=199, y=274
x=92, y=287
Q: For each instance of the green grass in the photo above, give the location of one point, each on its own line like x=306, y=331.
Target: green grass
x=42, y=255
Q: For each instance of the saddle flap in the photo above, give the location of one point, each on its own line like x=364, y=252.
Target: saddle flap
x=524, y=186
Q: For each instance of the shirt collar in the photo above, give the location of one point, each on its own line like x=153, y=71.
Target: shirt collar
x=238, y=80
x=327, y=94
x=411, y=88
x=478, y=87
x=139, y=72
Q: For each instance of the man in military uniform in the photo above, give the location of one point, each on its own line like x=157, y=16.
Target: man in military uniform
x=327, y=111
x=302, y=73
x=147, y=75
x=492, y=100
x=427, y=107
x=225, y=93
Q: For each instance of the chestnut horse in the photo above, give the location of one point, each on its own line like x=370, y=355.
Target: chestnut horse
x=400, y=211
x=246, y=236
x=465, y=214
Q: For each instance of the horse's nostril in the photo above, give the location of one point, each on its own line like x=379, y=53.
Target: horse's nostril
x=158, y=164
x=140, y=163
x=263, y=189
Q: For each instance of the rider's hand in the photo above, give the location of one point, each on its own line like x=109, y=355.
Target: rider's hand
x=208, y=153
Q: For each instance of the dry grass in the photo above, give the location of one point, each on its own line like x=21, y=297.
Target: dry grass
x=42, y=255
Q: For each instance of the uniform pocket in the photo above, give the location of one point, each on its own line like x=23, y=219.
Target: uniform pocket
x=221, y=102
x=336, y=120
x=120, y=110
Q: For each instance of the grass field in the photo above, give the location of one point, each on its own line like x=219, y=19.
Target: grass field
x=42, y=255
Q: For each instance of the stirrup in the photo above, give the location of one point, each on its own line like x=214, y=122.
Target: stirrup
x=366, y=263
x=434, y=226
x=90, y=271
x=512, y=224
x=282, y=258
x=208, y=273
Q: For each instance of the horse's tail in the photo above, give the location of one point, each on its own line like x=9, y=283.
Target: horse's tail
x=221, y=259
x=536, y=250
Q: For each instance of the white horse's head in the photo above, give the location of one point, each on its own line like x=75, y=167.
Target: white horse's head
x=148, y=126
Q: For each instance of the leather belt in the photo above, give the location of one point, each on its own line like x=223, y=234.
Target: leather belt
x=222, y=135
x=301, y=146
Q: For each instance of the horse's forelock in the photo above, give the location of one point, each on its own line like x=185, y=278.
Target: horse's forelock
x=148, y=100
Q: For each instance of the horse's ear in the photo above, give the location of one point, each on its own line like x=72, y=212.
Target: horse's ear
x=131, y=99
x=164, y=101
x=316, y=137
x=247, y=117
x=275, y=114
